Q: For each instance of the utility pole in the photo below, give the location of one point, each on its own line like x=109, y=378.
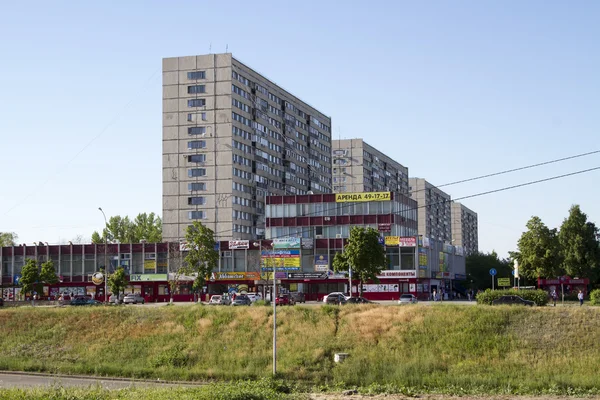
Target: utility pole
x=105, y=257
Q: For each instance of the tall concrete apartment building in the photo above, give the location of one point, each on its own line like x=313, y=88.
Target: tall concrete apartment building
x=434, y=213
x=231, y=137
x=464, y=228
x=359, y=167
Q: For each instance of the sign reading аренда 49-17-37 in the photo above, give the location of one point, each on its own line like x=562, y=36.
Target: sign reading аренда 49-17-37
x=367, y=196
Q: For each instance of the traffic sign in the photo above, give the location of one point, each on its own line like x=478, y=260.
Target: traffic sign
x=493, y=271
x=504, y=282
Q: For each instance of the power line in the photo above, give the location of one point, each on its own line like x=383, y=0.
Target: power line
x=459, y=198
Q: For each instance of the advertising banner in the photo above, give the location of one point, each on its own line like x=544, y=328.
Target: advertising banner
x=392, y=240
x=459, y=251
x=422, y=273
x=398, y=274
x=423, y=260
x=368, y=196
x=147, y=277
x=384, y=227
x=408, y=241
x=286, y=243
x=503, y=282
x=268, y=276
x=149, y=264
x=233, y=276
x=307, y=275
x=322, y=263
x=239, y=244
x=307, y=243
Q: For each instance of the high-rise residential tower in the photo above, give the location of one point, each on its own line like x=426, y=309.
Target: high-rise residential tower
x=231, y=137
x=464, y=228
x=434, y=210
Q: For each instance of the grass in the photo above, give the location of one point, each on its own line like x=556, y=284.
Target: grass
x=400, y=349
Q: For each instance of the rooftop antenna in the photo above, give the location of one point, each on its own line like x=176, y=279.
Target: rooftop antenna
x=226, y=48
x=210, y=48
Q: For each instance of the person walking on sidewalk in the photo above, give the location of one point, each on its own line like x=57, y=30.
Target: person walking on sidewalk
x=580, y=297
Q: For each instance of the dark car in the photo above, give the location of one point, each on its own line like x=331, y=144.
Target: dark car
x=359, y=300
x=284, y=300
x=241, y=300
x=83, y=301
x=1, y=302
x=336, y=298
x=512, y=300
x=298, y=297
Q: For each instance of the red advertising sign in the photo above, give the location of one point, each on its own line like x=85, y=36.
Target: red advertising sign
x=384, y=227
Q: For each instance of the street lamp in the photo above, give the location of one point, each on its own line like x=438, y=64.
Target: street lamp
x=105, y=257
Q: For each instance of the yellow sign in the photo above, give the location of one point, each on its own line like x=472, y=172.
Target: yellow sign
x=503, y=281
x=392, y=240
x=285, y=262
x=149, y=264
x=367, y=196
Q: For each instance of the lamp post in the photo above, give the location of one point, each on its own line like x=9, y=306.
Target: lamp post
x=105, y=257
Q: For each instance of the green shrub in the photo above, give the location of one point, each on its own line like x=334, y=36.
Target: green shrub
x=539, y=297
x=595, y=297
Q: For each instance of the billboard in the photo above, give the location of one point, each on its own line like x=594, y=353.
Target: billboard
x=239, y=244
x=366, y=196
x=286, y=243
x=322, y=263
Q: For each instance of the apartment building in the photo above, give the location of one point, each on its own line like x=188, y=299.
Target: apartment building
x=230, y=138
x=464, y=228
x=434, y=213
x=359, y=167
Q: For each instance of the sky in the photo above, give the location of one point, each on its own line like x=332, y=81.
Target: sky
x=452, y=90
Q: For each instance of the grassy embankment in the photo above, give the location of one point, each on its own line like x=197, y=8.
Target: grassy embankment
x=452, y=349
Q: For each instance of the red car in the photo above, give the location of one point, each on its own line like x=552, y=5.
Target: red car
x=284, y=300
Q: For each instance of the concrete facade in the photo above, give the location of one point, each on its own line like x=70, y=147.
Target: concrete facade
x=465, y=230
x=359, y=167
x=434, y=213
x=231, y=137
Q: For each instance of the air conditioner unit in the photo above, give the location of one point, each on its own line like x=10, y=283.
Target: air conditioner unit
x=327, y=219
x=338, y=235
x=318, y=236
x=226, y=253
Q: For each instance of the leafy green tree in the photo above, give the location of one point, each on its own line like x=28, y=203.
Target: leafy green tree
x=177, y=268
x=202, y=258
x=478, y=267
x=580, y=250
x=363, y=254
x=539, y=251
x=117, y=281
x=29, y=276
x=48, y=273
x=122, y=230
x=8, y=239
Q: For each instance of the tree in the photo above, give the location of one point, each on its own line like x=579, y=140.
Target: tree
x=478, y=267
x=48, y=273
x=8, y=239
x=122, y=230
x=117, y=282
x=363, y=254
x=177, y=268
x=29, y=276
x=539, y=251
x=202, y=258
x=580, y=250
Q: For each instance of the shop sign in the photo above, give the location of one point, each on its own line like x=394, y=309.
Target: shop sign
x=239, y=244
x=368, y=196
x=147, y=277
x=424, y=241
x=286, y=243
x=459, y=251
x=98, y=278
x=441, y=275
x=284, y=268
x=149, y=264
x=336, y=275
x=307, y=243
x=233, y=276
x=280, y=253
x=398, y=274
x=460, y=277
x=322, y=263
x=386, y=288
x=392, y=240
x=422, y=273
x=307, y=275
x=268, y=276
x=408, y=241
x=16, y=279
x=384, y=227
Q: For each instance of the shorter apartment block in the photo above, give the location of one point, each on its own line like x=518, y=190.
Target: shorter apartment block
x=464, y=228
x=359, y=167
x=434, y=213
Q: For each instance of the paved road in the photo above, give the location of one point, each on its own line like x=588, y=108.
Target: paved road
x=320, y=303
x=8, y=380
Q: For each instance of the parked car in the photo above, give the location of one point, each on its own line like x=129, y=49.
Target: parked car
x=359, y=300
x=133, y=298
x=510, y=300
x=335, y=298
x=335, y=294
x=1, y=302
x=298, y=297
x=85, y=301
x=284, y=300
x=217, y=299
x=407, y=299
x=254, y=296
x=241, y=300
x=112, y=298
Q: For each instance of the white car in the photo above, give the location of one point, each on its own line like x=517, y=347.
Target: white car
x=133, y=298
x=407, y=299
x=254, y=296
x=334, y=293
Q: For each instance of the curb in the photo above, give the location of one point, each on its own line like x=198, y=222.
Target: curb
x=104, y=378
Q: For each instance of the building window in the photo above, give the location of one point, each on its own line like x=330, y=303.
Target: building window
x=196, y=130
x=197, y=144
x=193, y=172
x=197, y=215
x=196, y=102
x=191, y=117
x=196, y=201
x=194, y=75
x=196, y=186
x=196, y=89
x=197, y=158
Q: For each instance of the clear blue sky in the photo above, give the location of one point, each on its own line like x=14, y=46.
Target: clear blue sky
x=450, y=89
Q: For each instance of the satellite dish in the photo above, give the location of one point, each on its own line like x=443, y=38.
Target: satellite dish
x=310, y=192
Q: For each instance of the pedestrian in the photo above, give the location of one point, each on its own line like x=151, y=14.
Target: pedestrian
x=580, y=297
x=554, y=296
x=434, y=295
